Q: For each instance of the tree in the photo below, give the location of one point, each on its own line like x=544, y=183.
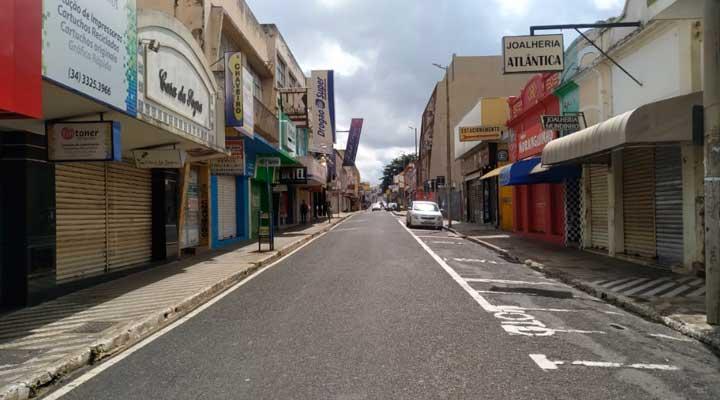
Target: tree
x=393, y=168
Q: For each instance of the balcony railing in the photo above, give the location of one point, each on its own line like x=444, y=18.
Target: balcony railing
x=266, y=123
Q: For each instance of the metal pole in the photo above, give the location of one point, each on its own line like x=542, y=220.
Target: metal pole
x=448, y=179
x=711, y=101
x=416, y=145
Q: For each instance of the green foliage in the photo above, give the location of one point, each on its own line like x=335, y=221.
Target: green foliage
x=393, y=168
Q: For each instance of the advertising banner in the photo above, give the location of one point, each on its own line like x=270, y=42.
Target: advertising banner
x=159, y=158
x=233, y=165
x=530, y=144
x=233, y=90
x=529, y=54
x=84, y=141
x=322, y=120
x=90, y=46
x=353, y=142
x=478, y=133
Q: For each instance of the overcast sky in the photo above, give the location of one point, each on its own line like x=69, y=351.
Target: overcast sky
x=382, y=51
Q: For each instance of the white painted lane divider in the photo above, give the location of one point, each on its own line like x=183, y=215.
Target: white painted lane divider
x=443, y=242
x=515, y=321
x=547, y=365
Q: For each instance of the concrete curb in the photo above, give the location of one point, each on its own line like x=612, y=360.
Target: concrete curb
x=136, y=331
x=619, y=300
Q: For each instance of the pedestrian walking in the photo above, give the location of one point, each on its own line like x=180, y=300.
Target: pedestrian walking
x=328, y=210
x=303, y=212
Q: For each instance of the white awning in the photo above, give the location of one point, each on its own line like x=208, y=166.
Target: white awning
x=664, y=121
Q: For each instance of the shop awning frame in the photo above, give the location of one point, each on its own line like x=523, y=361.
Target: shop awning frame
x=528, y=172
x=665, y=121
x=494, y=173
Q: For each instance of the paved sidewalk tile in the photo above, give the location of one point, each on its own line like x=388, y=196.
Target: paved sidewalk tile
x=36, y=339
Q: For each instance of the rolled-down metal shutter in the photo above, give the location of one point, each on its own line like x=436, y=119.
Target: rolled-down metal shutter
x=227, y=206
x=639, y=202
x=80, y=221
x=599, y=206
x=129, y=216
x=668, y=206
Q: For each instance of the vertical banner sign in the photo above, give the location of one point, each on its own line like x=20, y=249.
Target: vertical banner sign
x=233, y=90
x=90, y=46
x=248, y=124
x=322, y=99
x=353, y=142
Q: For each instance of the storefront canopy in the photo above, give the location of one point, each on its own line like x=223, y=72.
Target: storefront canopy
x=258, y=147
x=660, y=122
x=526, y=172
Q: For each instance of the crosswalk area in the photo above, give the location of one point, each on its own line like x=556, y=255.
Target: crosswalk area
x=665, y=287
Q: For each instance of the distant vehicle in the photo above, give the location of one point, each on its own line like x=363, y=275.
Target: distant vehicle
x=377, y=207
x=392, y=207
x=424, y=213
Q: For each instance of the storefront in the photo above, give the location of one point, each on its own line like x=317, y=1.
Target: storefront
x=538, y=196
x=654, y=168
x=229, y=201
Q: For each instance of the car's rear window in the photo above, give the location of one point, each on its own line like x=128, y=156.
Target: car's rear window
x=425, y=207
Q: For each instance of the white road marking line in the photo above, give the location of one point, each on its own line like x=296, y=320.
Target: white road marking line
x=460, y=281
x=492, y=237
x=644, y=286
x=698, y=292
x=516, y=308
x=441, y=242
x=547, y=365
x=659, y=289
x=511, y=282
x=628, y=284
x=661, y=336
x=616, y=282
x=123, y=355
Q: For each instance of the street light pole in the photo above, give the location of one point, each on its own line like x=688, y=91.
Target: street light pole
x=448, y=179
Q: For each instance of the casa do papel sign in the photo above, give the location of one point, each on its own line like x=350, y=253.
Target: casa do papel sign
x=529, y=54
x=90, y=46
x=84, y=141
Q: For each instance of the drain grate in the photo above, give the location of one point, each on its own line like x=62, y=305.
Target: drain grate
x=93, y=327
x=16, y=356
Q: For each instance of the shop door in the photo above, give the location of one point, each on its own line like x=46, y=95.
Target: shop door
x=81, y=220
x=191, y=230
x=129, y=216
x=506, y=207
x=538, y=205
x=599, y=206
x=639, y=202
x=668, y=206
x=227, y=207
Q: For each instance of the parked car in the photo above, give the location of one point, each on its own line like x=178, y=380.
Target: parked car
x=424, y=213
x=376, y=207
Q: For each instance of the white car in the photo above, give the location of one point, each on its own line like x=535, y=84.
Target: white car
x=424, y=213
x=376, y=207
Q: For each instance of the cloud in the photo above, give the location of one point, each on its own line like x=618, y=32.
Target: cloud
x=382, y=53
x=609, y=4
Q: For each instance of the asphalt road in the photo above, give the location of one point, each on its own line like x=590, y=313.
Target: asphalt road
x=374, y=311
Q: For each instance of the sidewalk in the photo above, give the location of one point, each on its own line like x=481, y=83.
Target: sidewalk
x=42, y=343
x=675, y=300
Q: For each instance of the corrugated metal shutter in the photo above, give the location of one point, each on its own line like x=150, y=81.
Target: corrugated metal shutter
x=129, y=216
x=639, y=202
x=599, y=206
x=668, y=206
x=80, y=221
x=227, y=207
x=475, y=207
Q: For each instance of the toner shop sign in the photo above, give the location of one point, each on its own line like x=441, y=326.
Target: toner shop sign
x=529, y=54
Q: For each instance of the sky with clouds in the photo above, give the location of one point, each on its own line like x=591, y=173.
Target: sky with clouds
x=382, y=53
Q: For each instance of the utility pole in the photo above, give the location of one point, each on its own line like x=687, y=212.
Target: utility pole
x=711, y=101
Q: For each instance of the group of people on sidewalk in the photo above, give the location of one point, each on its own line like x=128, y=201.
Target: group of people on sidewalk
x=324, y=210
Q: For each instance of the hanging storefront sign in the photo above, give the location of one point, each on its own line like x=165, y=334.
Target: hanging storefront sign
x=84, y=141
x=233, y=90
x=233, y=165
x=477, y=133
x=90, y=47
x=322, y=120
x=268, y=161
x=289, y=135
x=502, y=155
x=353, y=142
x=293, y=175
x=529, y=54
x=532, y=144
x=293, y=102
x=248, y=126
x=561, y=123
x=165, y=158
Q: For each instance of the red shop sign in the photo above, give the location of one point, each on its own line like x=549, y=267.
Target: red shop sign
x=530, y=144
